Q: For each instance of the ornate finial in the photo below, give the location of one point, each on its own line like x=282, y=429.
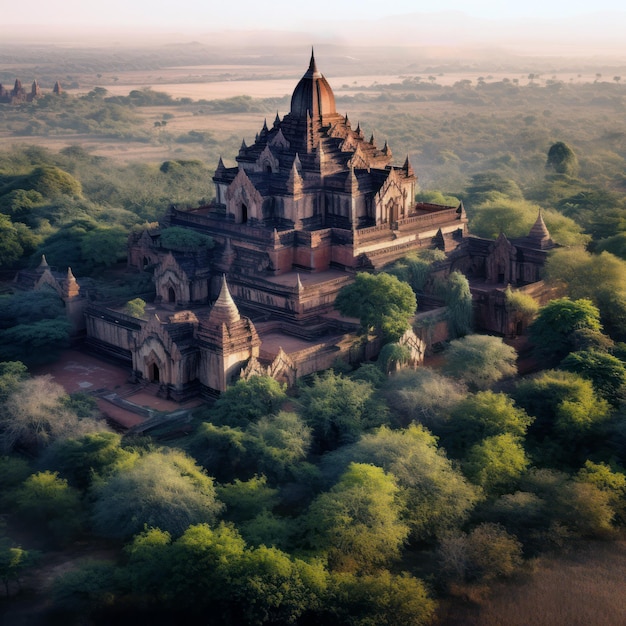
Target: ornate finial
x=264, y=129
x=407, y=167
x=43, y=265
x=243, y=146
x=70, y=286
x=312, y=65
x=276, y=120
x=372, y=139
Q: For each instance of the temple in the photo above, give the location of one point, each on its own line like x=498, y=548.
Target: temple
x=21, y=95
x=308, y=204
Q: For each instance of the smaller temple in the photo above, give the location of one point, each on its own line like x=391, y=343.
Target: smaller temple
x=21, y=95
x=493, y=265
x=64, y=284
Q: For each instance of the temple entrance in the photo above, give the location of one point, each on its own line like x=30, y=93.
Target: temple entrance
x=244, y=213
x=171, y=295
x=393, y=213
x=155, y=374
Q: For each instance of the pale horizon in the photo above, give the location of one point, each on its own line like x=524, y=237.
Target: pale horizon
x=579, y=25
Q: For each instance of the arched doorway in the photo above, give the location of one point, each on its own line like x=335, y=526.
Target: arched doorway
x=145, y=262
x=171, y=295
x=244, y=213
x=155, y=373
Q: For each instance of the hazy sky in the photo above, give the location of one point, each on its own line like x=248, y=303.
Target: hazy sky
x=205, y=15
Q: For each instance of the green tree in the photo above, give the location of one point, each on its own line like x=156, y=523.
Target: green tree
x=392, y=356
x=599, y=278
x=552, y=331
x=177, y=238
x=357, y=523
x=14, y=470
x=486, y=553
x=148, y=566
x=13, y=561
x=458, y=299
x=10, y=248
x=135, y=307
x=515, y=218
x=336, y=408
x=415, y=268
x=33, y=326
x=436, y=496
x=223, y=451
x=269, y=587
x=278, y=442
x=104, y=246
x=248, y=400
x=44, y=498
x=88, y=589
x=51, y=181
x=481, y=415
x=496, y=463
x=422, y=395
x=615, y=244
x=381, y=599
x=247, y=499
x=606, y=372
x=86, y=459
x=479, y=360
x=581, y=507
x=564, y=404
x=203, y=559
x=11, y=374
x=166, y=490
x=610, y=481
x=381, y=302
x=521, y=306
x=36, y=343
x=486, y=186
x=562, y=159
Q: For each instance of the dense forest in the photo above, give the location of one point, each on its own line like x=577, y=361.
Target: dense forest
x=363, y=496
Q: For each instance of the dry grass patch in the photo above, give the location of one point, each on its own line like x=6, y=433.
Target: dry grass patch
x=585, y=587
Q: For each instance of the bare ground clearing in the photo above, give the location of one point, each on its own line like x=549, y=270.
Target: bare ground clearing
x=585, y=586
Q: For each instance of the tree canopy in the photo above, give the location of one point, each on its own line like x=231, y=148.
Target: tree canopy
x=479, y=360
x=357, y=523
x=381, y=302
x=552, y=332
x=166, y=490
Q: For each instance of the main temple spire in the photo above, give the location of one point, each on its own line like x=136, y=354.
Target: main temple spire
x=312, y=64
